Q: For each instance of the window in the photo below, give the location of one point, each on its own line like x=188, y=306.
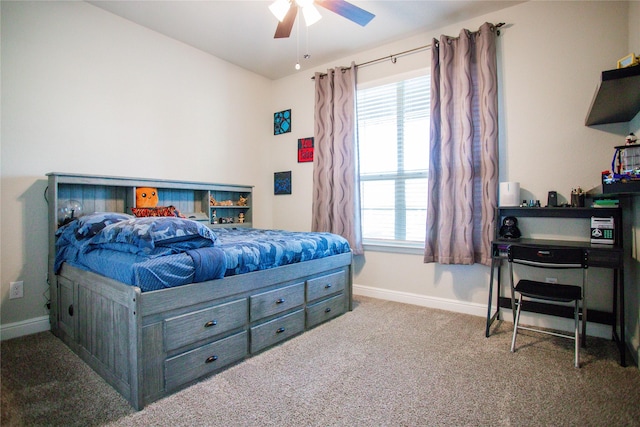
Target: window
x=393, y=138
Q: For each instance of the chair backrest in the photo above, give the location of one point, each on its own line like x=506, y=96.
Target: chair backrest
x=548, y=257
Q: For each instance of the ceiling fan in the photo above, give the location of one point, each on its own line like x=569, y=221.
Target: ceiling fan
x=286, y=11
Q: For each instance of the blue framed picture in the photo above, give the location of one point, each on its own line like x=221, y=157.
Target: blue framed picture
x=282, y=122
x=282, y=182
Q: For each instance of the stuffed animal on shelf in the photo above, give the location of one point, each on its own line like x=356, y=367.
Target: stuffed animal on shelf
x=242, y=201
x=147, y=204
x=146, y=197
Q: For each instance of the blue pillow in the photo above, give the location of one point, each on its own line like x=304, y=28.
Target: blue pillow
x=154, y=236
x=90, y=225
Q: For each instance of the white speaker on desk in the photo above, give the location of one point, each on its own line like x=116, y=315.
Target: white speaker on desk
x=509, y=194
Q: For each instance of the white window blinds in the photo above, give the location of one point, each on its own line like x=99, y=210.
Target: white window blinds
x=393, y=137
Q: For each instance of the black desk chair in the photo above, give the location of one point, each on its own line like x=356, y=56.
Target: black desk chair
x=561, y=258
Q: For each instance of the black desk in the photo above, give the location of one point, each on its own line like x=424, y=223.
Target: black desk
x=599, y=255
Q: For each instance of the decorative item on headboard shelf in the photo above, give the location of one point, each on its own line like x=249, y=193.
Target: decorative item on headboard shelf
x=214, y=202
x=147, y=204
x=242, y=201
x=146, y=197
x=68, y=211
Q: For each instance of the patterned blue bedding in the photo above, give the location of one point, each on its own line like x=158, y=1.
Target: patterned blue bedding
x=156, y=253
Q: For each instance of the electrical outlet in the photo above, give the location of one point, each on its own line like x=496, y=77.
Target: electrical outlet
x=16, y=290
x=551, y=280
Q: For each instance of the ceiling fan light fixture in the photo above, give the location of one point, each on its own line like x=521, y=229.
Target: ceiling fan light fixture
x=311, y=14
x=279, y=8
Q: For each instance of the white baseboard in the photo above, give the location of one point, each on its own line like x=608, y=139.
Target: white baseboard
x=25, y=327
x=476, y=309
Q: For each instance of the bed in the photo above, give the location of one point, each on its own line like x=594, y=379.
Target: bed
x=155, y=304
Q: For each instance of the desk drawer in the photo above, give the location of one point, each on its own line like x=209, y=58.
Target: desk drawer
x=209, y=322
x=276, y=330
x=325, y=285
x=276, y=301
x=204, y=360
x=605, y=258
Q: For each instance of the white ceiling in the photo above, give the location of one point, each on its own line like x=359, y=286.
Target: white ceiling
x=241, y=31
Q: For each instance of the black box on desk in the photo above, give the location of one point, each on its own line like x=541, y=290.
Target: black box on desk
x=602, y=230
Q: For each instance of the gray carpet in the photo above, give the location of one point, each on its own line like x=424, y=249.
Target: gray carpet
x=383, y=364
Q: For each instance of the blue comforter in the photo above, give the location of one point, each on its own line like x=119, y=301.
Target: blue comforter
x=156, y=253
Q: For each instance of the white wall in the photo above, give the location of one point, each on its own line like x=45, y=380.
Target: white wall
x=551, y=55
x=84, y=91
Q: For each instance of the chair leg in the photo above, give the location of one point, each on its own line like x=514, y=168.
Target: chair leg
x=584, y=323
x=577, y=336
x=515, y=325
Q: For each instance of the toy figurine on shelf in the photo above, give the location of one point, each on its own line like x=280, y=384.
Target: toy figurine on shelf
x=214, y=202
x=577, y=198
x=242, y=201
x=509, y=229
x=241, y=218
x=631, y=139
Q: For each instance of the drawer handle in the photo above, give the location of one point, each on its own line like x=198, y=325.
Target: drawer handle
x=210, y=323
x=280, y=301
x=211, y=359
x=328, y=285
x=280, y=330
x=71, y=310
x=327, y=310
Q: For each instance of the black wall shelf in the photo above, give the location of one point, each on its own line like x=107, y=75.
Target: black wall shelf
x=568, y=212
x=617, y=98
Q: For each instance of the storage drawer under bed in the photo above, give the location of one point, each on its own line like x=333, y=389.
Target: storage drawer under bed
x=325, y=310
x=202, y=324
x=186, y=367
x=276, y=301
x=323, y=286
x=276, y=330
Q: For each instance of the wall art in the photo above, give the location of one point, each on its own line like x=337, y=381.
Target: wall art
x=282, y=122
x=282, y=182
x=305, y=150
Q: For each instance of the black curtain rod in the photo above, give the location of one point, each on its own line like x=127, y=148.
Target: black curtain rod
x=395, y=56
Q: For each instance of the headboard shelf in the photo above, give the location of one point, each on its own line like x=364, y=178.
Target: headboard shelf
x=97, y=193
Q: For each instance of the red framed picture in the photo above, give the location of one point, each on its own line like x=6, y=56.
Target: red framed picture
x=305, y=150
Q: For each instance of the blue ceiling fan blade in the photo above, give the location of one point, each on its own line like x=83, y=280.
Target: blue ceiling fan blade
x=347, y=10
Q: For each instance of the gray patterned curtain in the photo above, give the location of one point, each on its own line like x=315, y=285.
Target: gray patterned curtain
x=463, y=167
x=336, y=200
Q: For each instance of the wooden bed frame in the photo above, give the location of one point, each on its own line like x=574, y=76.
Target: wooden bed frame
x=148, y=345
